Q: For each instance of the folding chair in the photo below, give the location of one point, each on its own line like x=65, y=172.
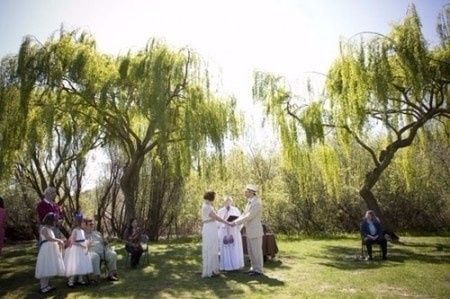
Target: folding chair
x=145, y=247
x=145, y=255
x=364, y=253
x=104, y=267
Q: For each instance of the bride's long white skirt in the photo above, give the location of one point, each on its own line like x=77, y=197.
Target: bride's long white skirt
x=210, y=249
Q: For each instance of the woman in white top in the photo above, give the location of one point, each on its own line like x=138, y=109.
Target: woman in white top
x=210, y=239
x=230, y=239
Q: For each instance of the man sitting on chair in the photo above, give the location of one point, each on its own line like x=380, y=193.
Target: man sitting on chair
x=372, y=233
x=98, y=251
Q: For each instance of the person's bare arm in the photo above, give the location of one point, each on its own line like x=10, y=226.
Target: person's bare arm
x=216, y=217
x=48, y=237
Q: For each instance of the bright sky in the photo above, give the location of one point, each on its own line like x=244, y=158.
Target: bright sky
x=288, y=37
x=236, y=36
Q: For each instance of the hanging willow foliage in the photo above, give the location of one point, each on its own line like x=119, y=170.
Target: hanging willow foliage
x=141, y=101
x=327, y=163
x=387, y=87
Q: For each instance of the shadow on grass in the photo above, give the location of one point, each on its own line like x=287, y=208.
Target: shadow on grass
x=295, y=238
x=174, y=270
x=436, y=246
x=349, y=258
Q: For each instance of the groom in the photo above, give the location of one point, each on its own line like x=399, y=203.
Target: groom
x=251, y=218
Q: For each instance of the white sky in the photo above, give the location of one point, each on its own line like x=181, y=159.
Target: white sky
x=235, y=36
x=288, y=37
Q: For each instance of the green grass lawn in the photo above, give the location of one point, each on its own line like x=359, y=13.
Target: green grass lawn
x=304, y=268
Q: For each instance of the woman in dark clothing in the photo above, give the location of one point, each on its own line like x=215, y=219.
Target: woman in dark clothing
x=133, y=245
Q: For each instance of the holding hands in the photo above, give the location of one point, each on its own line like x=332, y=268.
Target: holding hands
x=60, y=244
x=231, y=223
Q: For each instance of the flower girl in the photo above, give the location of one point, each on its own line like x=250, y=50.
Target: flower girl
x=49, y=261
x=76, y=258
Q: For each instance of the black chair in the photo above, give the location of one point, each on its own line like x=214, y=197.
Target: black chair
x=145, y=254
x=145, y=251
x=104, y=267
x=364, y=253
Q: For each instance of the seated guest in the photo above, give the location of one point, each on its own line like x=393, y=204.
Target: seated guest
x=372, y=233
x=132, y=236
x=99, y=250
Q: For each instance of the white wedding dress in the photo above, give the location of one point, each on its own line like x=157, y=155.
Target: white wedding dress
x=230, y=248
x=210, y=243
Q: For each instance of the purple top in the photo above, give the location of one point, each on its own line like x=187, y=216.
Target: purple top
x=44, y=207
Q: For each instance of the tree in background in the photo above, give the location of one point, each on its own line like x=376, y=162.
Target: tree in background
x=46, y=144
x=142, y=100
x=443, y=24
x=392, y=85
x=13, y=114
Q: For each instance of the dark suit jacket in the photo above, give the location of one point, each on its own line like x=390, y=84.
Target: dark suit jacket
x=365, y=231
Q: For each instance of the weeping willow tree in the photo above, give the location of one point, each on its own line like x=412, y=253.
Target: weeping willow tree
x=55, y=150
x=143, y=100
x=391, y=85
x=13, y=114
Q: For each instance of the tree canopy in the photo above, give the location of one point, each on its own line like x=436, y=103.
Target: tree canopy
x=391, y=85
x=140, y=101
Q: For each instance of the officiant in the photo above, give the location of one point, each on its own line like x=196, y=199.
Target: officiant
x=230, y=239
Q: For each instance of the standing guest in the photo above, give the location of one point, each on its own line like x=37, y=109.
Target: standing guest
x=49, y=261
x=251, y=218
x=3, y=218
x=210, y=238
x=48, y=205
x=99, y=250
x=373, y=234
x=76, y=258
x=230, y=239
x=132, y=236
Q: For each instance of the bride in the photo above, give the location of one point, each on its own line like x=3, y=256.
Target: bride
x=210, y=239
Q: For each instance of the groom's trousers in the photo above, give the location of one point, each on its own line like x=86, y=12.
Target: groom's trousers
x=254, y=247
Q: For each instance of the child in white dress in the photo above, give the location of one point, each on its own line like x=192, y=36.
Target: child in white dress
x=76, y=258
x=49, y=261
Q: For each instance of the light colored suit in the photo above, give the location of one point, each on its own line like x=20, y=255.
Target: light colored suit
x=251, y=218
x=98, y=252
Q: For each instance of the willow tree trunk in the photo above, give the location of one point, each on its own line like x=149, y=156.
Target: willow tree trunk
x=372, y=204
x=370, y=180
x=129, y=183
